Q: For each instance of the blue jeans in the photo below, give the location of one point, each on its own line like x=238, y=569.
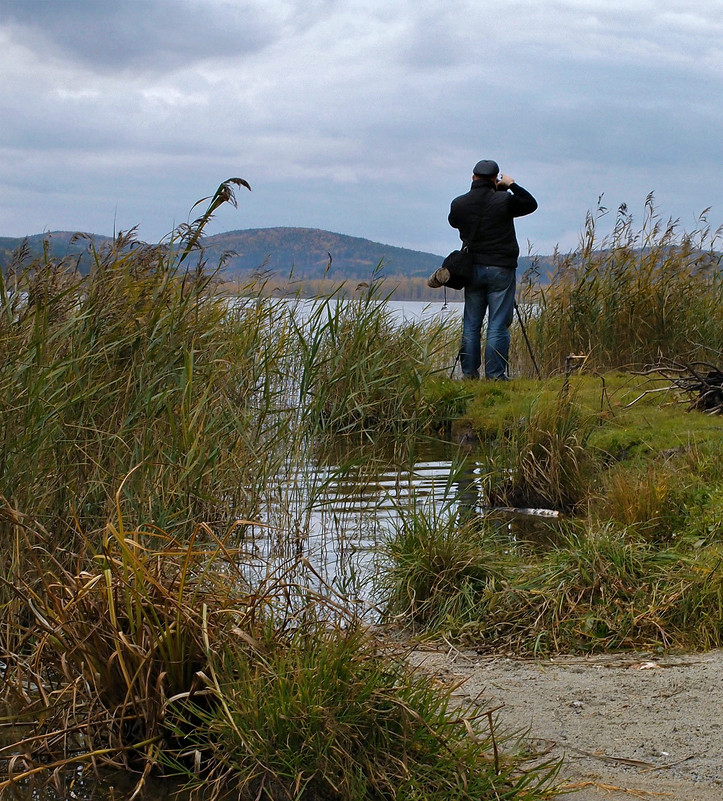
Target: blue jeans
x=493, y=289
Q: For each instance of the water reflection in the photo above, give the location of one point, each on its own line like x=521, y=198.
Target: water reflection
x=325, y=523
x=518, y=529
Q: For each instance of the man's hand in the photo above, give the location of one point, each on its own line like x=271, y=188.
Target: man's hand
x=505, y=181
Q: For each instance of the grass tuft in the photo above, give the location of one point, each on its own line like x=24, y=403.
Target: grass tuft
x=439, y=569
x=544, y=461
x=315, y=711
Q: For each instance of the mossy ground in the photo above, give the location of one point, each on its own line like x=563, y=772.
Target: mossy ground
x=635, y=559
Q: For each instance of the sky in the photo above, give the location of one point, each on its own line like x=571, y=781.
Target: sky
x=363, y=117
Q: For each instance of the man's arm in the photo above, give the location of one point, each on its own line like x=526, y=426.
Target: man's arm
x=453, y=218
x=522, y=201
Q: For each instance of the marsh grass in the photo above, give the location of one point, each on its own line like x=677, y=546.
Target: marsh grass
x=169, y=662
x=595, y=590
x=543, y=460
x=315, y=712
x=609, y=588
x=369, y=369
x=630, y=297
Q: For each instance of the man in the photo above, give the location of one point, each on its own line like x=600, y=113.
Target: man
x=484, y=218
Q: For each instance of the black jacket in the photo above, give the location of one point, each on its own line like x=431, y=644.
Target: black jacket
x=494, y=243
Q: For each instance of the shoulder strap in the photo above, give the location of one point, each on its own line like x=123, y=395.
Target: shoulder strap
x=465, y=242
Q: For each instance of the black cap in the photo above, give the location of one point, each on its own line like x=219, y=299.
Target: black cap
x=486, y=167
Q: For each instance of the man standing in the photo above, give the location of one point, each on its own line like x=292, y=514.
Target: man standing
x=484, y=218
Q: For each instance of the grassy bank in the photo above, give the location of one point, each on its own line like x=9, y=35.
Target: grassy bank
x=159, y=614
x=632, y=558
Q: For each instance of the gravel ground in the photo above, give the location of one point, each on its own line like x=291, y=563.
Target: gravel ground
x=627, y=725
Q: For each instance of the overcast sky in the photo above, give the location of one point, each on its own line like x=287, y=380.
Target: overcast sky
x=363, y=117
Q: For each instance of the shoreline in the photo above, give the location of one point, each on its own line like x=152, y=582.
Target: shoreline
x=628, y=725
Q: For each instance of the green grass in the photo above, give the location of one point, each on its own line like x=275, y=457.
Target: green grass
x=315, y=711
x=438, y=568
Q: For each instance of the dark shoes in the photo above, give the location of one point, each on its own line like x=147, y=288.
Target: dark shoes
x=469, y=377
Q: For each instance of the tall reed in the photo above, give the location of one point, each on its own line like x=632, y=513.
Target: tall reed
x=138, y=376
x=364, y=371
x=133, y=373
x=630, y=297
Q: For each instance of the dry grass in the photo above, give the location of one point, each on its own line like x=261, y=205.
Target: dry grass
x=630, y=297
x=160, y=661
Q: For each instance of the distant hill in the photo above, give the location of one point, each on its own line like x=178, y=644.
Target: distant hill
x=308, y=250
x=60, y=245
x=305, y=250
x=277, y=250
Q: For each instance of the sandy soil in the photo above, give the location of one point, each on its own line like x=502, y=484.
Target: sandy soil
x=627, y=725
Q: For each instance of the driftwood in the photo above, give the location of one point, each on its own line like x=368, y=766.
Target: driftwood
x=701, y=382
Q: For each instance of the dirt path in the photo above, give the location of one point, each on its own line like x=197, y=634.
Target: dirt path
x=627, y=725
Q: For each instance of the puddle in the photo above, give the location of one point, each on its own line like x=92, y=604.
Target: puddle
x=329, y=521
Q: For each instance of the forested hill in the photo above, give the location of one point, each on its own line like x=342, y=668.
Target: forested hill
x=279, y=250
x=310, y=252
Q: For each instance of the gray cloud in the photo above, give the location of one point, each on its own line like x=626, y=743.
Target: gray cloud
x=137, y=35
x=360, y=116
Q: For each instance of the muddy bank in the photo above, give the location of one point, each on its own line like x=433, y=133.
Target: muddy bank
x=627, y=725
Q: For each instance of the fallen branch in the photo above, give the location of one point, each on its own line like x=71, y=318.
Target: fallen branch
x=701, y=382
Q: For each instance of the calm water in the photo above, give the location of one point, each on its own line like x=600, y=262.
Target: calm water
x=403, y=310
x=423, y=310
